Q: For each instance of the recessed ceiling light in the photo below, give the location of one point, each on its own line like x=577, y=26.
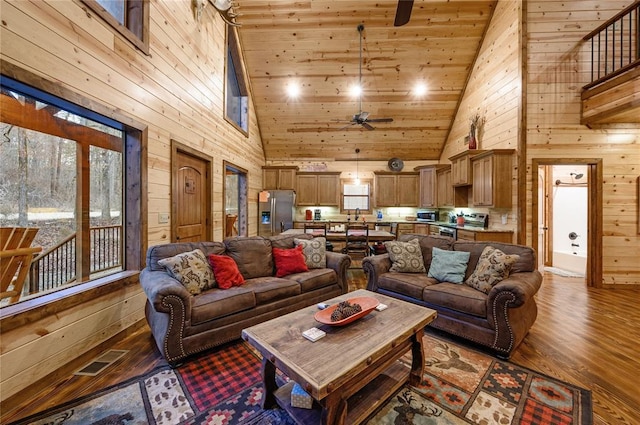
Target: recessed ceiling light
x=293, y=90
x=420, y=89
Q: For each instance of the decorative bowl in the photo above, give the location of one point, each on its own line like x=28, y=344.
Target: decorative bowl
x=367, y=304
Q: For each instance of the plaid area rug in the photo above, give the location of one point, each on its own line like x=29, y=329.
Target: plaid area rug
x=460, y=386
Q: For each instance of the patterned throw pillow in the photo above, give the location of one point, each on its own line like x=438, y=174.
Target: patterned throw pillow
x=406, y=257
x=449, y=266
x=191, y=269
x=314, y=251
x=493, y=266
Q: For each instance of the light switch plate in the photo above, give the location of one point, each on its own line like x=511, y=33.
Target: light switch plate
x=163, y=218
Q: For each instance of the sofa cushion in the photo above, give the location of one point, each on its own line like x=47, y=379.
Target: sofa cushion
x=217, y=303
x=409, y=284
x=287, y=241
x=406, y=257
x=493, y=266
x=526, y=262
x=191, y=269
x=457, y=297
x=225, y=271
x=269, y=289
x=315, y=279
x=427, y=243
x=315, y=252
x=158, y=252
x=289, y=261
x=252, y=255
x=448, y=266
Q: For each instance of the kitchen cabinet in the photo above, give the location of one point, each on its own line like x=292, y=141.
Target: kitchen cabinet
x=461, y=168
x=279, y=178
x=484, y=236
x=434, y=229
x=404, y=229
x=421, y=229
x=493, y=178
x=428, y=186
x=396, y=189
x=321, y=189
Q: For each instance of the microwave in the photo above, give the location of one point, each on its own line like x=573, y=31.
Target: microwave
x=427, y=215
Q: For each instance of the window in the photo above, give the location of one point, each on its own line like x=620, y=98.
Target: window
x=356, y=196
x=129, y=17
x=236, y=93
x=68, y=172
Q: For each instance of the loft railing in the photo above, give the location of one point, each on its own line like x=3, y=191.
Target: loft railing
x=57, y=266
x=615, y=45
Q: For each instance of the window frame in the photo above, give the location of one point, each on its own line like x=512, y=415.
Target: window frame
x=344, y=182
x=233, y=52
x=136, y=27
x=134, y=205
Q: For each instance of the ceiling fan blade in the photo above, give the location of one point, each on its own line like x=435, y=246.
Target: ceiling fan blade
x=403, y=12
x=380, y=120
x=367, y=126
x=347, y=126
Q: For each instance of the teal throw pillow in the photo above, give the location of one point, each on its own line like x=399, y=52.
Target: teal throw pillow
x=448, y=266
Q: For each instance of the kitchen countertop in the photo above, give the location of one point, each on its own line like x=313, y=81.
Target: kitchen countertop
x=470, y=228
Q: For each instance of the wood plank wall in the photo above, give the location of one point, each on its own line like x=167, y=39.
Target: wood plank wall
x=177, y=91
x=558, y=68
x=493, y=92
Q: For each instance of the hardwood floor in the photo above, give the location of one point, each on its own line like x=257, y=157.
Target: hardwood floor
x=588, y=337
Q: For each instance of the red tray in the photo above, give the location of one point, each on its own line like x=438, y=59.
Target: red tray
x=367, y=304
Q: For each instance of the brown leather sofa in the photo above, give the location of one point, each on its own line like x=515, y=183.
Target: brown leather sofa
x=183, y=324
x=499, y=320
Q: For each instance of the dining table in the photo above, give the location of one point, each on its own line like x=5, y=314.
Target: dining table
x=336, y=236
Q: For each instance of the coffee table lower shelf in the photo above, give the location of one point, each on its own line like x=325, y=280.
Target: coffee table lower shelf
x=359, y=406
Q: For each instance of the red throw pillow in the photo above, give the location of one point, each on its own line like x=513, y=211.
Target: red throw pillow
x=289, y=261
x=225, y=270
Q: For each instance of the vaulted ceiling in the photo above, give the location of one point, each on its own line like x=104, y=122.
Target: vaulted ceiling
x=316, y=44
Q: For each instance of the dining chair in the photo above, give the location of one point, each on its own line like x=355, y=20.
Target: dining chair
x=357, y=239
x=316, y=229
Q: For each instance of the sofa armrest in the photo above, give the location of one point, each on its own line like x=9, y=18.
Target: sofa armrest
x=157, y=285
x=374, y=266
x=339, y=263
x=523, y=286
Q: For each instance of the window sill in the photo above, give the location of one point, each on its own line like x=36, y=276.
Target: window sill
x=28, y=311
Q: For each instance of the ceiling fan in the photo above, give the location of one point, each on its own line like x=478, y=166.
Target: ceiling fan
x=362, y=117
x=403, y=12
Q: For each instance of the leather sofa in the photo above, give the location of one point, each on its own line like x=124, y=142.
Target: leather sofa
x=183, y=324
x=499, y=319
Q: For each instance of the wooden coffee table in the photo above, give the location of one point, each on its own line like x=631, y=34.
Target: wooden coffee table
x=352, y=370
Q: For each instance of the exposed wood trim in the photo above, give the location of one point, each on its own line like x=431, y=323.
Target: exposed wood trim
x=612, y=80
x=42, y=120
x=29, y=311
x=594, y=220
x=521, y=154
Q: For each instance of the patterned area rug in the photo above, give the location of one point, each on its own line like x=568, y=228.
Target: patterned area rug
x=460, y=386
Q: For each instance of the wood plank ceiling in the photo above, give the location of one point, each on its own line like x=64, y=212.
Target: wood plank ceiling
x=316, y=44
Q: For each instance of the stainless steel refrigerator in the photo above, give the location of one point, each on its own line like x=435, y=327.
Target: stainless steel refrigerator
x=275, y=211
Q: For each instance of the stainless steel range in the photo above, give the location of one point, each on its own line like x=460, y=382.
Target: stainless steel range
x=476, y=220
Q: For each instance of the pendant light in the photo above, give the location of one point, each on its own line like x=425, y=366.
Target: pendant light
x=357, y=177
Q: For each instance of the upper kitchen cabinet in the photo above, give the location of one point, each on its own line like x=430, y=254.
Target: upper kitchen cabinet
x=444, y=188
x=493, y=178
x=396, y=189
x=321, y=189
x=275, y=178
x=428, y=186
x=461, y=168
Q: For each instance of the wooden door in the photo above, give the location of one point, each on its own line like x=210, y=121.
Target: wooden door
x=191, y=202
